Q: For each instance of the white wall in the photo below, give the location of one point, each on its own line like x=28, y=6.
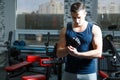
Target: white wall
x=10, y=13
x=7, y=19
x=7, y=23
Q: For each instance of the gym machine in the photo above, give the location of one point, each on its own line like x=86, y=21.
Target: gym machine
x=108, y=64
x=49, y=61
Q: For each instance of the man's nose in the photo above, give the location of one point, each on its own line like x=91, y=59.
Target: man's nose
x=77, y=20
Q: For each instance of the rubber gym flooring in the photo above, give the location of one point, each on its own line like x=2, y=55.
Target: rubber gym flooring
x=53, y=77
x=4, y=77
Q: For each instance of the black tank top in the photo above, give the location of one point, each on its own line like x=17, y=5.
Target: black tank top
x=75, y=64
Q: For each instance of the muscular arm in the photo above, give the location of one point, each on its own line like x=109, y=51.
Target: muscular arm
x=61, y=46
x=97, y=45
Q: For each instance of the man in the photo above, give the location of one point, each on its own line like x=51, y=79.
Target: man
x=80, y=61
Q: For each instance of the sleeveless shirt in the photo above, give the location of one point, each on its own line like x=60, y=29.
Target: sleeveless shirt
x=75, y=64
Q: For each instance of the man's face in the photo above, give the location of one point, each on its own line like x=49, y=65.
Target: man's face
x=79, y=17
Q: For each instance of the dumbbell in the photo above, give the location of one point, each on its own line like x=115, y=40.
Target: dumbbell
x=74, y=41
x=19, y=43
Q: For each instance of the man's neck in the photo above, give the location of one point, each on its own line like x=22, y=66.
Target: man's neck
x=80, y=25
x=80, y=28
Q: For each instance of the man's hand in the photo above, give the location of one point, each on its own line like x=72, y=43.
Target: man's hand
x=72, y=51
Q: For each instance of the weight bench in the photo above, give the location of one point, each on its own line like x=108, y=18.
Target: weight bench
x=17, y=66
x=17, y=69
x=44, y=62
x=34, y=77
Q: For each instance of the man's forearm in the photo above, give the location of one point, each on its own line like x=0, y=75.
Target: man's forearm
x=62, y=52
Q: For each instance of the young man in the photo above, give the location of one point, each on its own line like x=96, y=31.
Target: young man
x=81, y=43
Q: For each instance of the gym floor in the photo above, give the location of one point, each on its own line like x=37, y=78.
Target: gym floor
x=3, y=73
x=53, y=77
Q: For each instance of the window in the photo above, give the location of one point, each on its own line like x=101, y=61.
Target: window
x=109, y=14
x=109, y=18
x=38, y=17
x=40, y=14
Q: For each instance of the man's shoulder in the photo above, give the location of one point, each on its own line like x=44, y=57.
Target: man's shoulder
x=96, y=28
x=69, y=23
x=63, y=30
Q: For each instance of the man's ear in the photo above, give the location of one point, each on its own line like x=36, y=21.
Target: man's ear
x=72, y=13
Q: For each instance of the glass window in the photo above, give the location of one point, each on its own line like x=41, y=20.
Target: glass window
x=109, y=14
x=38, y=17
x=109, y=18
x=40, y=14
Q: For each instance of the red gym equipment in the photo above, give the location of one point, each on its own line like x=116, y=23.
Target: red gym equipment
x=34, y=77
x=43, y=61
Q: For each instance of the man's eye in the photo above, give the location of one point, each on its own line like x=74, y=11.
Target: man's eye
x=74, y=17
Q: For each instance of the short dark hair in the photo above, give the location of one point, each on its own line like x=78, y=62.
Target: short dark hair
x=75, y=7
